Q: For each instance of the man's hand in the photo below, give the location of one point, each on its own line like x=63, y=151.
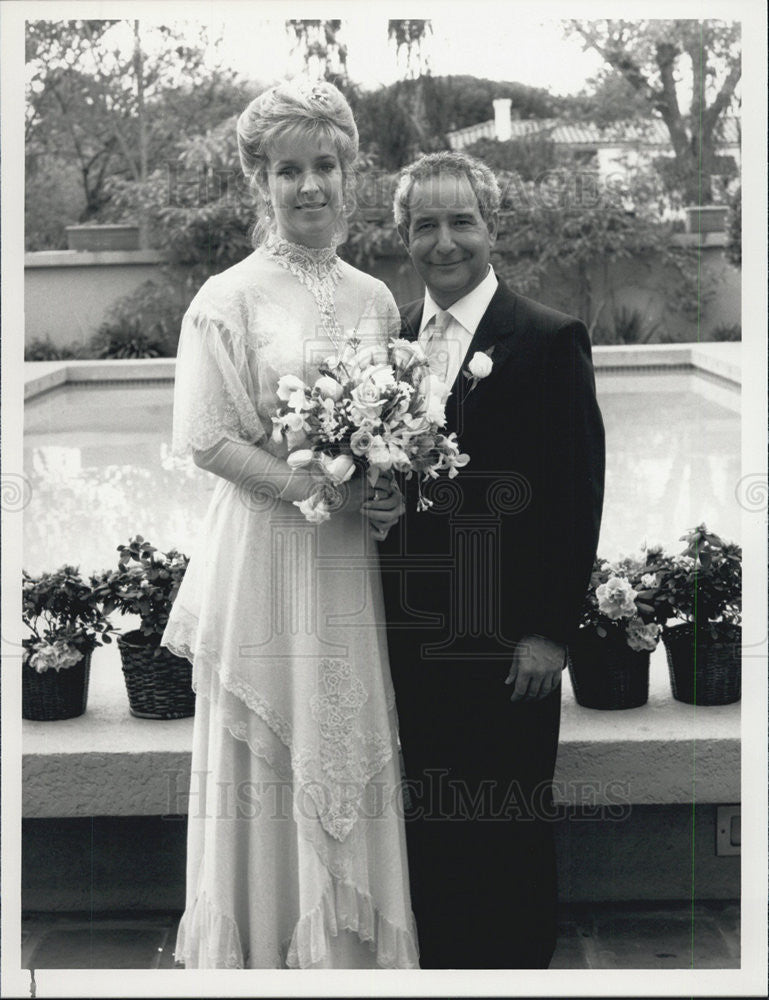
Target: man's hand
x=384, y=507
x=536, y=668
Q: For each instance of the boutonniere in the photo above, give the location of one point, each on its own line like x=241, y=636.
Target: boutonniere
x=479, y=367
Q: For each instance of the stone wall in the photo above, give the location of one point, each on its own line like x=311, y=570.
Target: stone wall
x=67, y=294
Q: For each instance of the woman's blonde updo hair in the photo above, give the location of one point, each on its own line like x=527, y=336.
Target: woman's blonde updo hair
x=313, y=107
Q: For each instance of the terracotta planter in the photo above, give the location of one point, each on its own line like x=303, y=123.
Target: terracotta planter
x=104, y=237
x=55, y=694
x=159, y=687
x=606, y=673
x=704, y=670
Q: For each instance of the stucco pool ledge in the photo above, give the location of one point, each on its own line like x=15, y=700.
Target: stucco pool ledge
x=108, y=763
x=719, y=360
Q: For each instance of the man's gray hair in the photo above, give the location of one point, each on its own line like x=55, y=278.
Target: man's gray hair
x=481, y=178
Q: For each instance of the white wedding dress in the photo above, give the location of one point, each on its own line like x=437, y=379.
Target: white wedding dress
x=296, y=845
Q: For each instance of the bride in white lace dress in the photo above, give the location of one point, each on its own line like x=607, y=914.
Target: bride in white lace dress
x=296, y=847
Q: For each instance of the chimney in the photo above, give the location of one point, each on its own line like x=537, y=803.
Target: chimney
x=502, y=126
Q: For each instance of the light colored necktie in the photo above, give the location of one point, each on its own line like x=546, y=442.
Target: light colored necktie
x=438, y=345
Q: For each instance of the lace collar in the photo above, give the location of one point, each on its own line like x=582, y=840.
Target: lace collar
x=315, y=263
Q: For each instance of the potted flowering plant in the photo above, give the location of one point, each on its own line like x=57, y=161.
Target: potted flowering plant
x=703, y=586
x=145, y=584
x=619, y=628
x=62, y=613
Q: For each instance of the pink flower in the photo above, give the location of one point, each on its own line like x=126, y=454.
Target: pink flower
x=360, y=441
x=642, y=637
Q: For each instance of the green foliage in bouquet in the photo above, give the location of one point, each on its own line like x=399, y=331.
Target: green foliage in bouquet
x=145, y=583
x=64, y=616
x=703, y=584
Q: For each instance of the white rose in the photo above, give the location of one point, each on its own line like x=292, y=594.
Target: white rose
x=329, y=388
x=405, y=353
x=299, y=458
x=480, y=365
x=365, y=357
x=367, y=402
x=649, y=581
x=338, y=469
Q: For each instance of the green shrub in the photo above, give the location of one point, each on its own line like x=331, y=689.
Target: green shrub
x=727, y=331
x=143, y=324
x=628, y=326
x=43, y=349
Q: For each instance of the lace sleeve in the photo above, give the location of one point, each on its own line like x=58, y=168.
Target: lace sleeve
x=215, y=384
x=380, y=321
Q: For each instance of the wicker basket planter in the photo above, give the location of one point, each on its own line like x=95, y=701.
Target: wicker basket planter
x=55, y=694
x=704, y=670
x=606, y=673
x=159, y=687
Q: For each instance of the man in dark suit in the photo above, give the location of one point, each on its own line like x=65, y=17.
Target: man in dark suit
x=484, y=589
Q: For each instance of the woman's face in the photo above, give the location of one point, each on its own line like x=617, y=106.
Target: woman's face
x=304, y=177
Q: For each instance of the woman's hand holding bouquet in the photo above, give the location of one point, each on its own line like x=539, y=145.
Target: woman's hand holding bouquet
x=373, y=411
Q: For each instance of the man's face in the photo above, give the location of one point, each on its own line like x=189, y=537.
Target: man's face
x=447, y=238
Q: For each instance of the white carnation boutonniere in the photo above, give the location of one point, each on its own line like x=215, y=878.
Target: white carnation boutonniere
x=478, y=367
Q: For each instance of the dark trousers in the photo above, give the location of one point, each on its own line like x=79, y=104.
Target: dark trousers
x=479, y=814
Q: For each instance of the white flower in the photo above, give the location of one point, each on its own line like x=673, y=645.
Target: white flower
x=616, y=598
x=480, y=365
x=436, y=410
x=329, y=388
x=289, y=384
x=642, y=637
x=314, y=508
x=405, y=353
x=365, y=357
x=649, y=581
x=379, y=453
x=339, y=468
x=300, y=457
x=58, y=655
x=367, y=401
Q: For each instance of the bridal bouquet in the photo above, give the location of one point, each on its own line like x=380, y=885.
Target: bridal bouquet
x=374, y=408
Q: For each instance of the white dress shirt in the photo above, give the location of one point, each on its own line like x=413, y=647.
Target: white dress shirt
x=465, y=315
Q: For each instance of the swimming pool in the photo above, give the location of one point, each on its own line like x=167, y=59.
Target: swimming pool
x=97, y=459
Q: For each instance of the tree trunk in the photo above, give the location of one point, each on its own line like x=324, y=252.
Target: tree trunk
x=139, y=70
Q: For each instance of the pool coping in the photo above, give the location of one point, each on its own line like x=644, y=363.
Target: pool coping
x=721, y=361
x=109, y=763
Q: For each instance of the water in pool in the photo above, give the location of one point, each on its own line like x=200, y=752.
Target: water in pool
x=98, y=462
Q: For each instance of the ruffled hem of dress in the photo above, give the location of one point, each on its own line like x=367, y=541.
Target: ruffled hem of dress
x=344, y=907
x=205, y=922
